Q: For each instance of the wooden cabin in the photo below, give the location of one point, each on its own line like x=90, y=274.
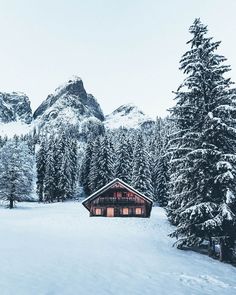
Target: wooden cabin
x=118, y=199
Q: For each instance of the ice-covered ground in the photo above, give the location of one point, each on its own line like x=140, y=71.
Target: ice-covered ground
x=58, y=249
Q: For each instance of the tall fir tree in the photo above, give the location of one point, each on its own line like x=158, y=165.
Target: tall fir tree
x=16, y=171
x=85, y=168
x=141, y=175
x=161, y=181
x=105, y=163
x=41, y=169
x=93, y=175
x=203, y=161
x=50, y=182
x=123, y=160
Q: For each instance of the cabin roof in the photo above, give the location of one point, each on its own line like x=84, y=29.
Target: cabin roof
x=105, y=187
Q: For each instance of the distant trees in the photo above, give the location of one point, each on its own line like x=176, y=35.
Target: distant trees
x=123, y=159
x=160, y=160
x=16, y=171
x=141, y=174
x=118, y=154
x=97, y=167
x=202, y=183
x=41, y=158
x=56, y=163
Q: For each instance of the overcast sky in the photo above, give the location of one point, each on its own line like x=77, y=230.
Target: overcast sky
x=124, y=50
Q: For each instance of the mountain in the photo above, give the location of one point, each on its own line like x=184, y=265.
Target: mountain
x=70, y=105
x=128, y=116
x=15, y=107
x=15, y=114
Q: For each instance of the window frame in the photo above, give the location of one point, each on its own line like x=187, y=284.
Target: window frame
x=100, y=210
x=136, y=209
x=123, y=211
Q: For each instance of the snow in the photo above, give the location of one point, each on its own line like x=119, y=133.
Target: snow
x=58, y=249
x=14, y=128
x=126, y=116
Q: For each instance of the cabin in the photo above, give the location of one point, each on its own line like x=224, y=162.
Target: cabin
x=118, y=199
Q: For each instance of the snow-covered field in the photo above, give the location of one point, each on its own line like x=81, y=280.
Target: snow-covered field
x=58, y=249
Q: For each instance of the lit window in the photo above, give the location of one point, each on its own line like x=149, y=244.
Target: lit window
x=98, y=211
x=138, y=211
x=125, y=211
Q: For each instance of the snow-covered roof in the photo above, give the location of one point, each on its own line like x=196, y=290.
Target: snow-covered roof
x=111, y=183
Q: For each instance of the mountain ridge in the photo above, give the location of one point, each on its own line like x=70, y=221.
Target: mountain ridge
x=70, y=105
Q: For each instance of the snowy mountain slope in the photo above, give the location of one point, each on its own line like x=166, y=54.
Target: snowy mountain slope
x=15, y=114
x=15, y=107
x=69, y=105
x=64, y=251
x=127, y=116
x=15, y=128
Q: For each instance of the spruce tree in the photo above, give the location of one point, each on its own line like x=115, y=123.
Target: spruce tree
x=141, y=175
x=85, y=168
x=105, y=164
x=93, y=175
x=161, y=181
x=202, y=161
x=50, y=182
x=16, y=171
x=41, y=169
x=123, y=160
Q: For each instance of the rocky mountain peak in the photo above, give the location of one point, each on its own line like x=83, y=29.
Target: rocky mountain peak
x=69, y=105
x=126, y=109
x=127, y=116
x=14, y=107
x=73, y=86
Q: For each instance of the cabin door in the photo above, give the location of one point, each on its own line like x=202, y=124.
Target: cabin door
x=110, y=212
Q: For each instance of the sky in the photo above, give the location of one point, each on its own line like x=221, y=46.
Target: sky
x=124, y=50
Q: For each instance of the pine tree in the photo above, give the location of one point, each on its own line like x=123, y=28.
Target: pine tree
x=105, y=164
x=161, y=181
x=73, y=164
x=85, y=168
x=16, y=171
x=93, y=175
x=202, y=164
x=50, y=181
x=65, y=177
x=41, y=169
x=123, y=160
x=160, y=161
x=141, y=175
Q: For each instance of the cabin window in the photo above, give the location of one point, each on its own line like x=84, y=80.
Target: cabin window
x=125, y=211
x=98, y=211
x=138, y=211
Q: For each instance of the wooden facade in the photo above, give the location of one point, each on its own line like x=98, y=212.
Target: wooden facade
x=118, y=199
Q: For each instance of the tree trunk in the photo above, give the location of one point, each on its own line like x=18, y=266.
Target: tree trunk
x=211, y=248
x=225, y=249
x=11, y=205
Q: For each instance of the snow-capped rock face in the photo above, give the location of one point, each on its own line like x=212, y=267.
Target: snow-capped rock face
x=15, y=107
x=68, y=105
x=128, y=116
